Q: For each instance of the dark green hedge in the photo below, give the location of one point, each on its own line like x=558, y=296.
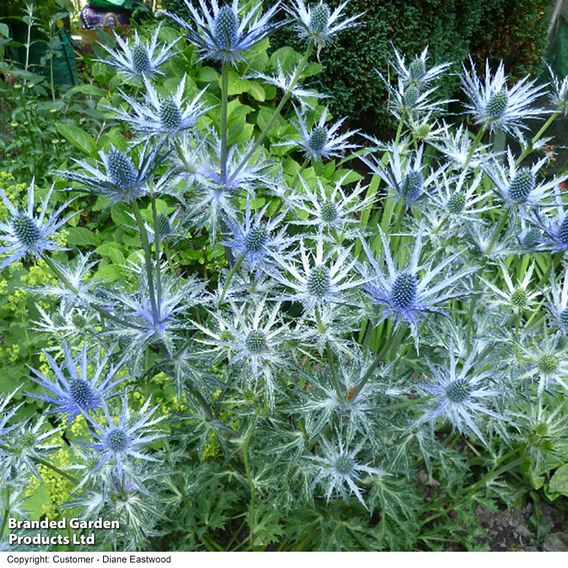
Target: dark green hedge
x=513, y=30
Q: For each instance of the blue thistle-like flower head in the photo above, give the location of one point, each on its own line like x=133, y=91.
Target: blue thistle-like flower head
x=226, y=28
x=519, y=187
x=496, y=106
x=404, y=174
x=27, y=233
x=546, y=357
x=120, y=170
x=552, y=228
x=332, y=210
x=256, y=239
x=137, y=60
x=403, y=291
x=117, y=177
x=166, y=116
x=120, y=441
x=146, y=316
x=462, y=393
x=322, y=141
x=418, y=73
x=563, y=232
x=318, y=24
x=253, y=339
x=522, y=185
x=76, y=388
x=320, y=279
x=319, y=18
x=339, y=471
x=409, y=293
x=229, y=32
x=413, y=185
x=456, y=203
x=141, y=63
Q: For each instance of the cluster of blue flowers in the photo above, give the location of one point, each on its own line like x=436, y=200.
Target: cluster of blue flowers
x=340, y=300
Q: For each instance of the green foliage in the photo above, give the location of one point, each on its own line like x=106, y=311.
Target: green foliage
x=211, y=503
x=18, y=307
x=451, y=28
x=32, y=102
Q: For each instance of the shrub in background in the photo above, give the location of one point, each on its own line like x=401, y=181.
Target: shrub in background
x=452, y=28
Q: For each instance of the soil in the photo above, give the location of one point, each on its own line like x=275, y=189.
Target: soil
x=515, y=530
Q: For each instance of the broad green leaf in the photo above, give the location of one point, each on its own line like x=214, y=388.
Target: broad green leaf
x=87, y=89
x=559, y=483
x=80, y=236
x=78, y=137
x=207, y=75
x=108, y=272
x=39, y=499
x=112, y=251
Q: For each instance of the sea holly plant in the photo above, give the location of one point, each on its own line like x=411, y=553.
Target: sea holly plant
x=359, y=330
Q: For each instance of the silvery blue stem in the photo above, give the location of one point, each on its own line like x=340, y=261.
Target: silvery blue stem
x=147, y=260
x=224, y=126
x=276, y=112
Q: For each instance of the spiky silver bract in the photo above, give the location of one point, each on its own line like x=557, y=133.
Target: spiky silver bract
x=76, y=388
x=462, y=393
x=409, y=293
x=27, y=233
x=318, y=24
x=496, y=106
x=226, y=33
x=458, y=202
x=322, y=141
x=121, y=440
x=417, y=71
x=334, y=211
x=545, y=361
x=317, y=279
x=519, y=186
x=557, y=302
x=253, y=340
x=119, y=176
x=74, y=286
x=7, y=412
x=264, y=309
x=329, y=395
x=166, y=116
x=36, y=440
x=516, y=297
x=287, y=82
x=405, y=174
x=256, y=239
x=137, y=60
x=152, y=315
x=552, y=226
x=214, y=190
x=456, y=144
x=559, y=92
x=338, y=471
